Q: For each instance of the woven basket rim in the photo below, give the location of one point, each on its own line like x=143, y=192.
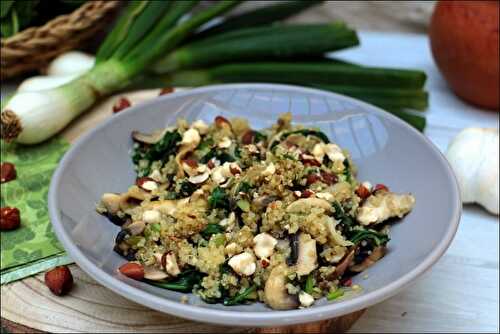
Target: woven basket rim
x=103, y=5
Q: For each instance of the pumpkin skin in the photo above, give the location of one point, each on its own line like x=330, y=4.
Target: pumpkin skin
x=464, y=42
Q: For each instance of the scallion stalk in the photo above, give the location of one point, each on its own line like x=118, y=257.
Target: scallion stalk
x=263, y=43
x=134, y=43
x=258, y=17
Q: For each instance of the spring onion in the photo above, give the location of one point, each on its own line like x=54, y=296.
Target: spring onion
x=259, y=16
x=34, y=116
x=281, y=41
x=335, y=294
x=300, y=73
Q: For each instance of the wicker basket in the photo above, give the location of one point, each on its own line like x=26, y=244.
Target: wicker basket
x=34, y=47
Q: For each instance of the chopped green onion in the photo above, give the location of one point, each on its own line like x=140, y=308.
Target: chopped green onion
x=309, y=287
x=335, y=294
x=243, y=204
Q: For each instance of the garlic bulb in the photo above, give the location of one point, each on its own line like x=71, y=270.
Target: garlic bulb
x=474, y=157
x=72, y=62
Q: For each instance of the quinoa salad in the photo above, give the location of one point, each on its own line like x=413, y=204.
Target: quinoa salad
x=236, y=216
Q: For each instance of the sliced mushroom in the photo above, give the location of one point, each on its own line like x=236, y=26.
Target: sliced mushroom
x=111, y=202
x=376, y=254
x=276, y=293
x=197, y=179
x=305, y=204
x=344, y=264
x=384, y=205
x=307, y=260
x=165, y=206
x=154, y=273
x=169, y=262
x=148, y=138
x=262, y=202
x=136, y=227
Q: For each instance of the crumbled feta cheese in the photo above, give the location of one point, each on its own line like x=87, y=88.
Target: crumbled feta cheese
x=171, y=265
x=270, y=170
x=297, y=193
x=224, y=143
x=151, y=216
x=218, y=175
x=252, y=148
x=197, y=179
x=305, y=299
x=264, y=245
x=318, y=152
x=150, y=185
x=243, y=264
x=191, y=137
x=334, y=152
x=232, y=249
x=329, y=197
x=155, y=175
x=228, y=222
x=201, y=126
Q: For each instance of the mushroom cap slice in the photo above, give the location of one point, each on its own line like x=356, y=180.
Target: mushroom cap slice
x=307, y=259
x=305, y=204
x=154, y=273
x=344, y=263
x=148, y=138
x=111, y=202
x=275, y=292
x=376, y=254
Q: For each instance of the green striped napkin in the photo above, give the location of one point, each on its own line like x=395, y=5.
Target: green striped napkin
x=33, y=247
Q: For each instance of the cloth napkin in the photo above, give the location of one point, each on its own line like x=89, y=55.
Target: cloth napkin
x=33, y=247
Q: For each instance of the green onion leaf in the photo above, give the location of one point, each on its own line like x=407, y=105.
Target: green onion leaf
x=335, y=294
x=239, y=298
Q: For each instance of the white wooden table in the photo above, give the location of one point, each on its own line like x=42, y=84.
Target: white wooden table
x=460, y=293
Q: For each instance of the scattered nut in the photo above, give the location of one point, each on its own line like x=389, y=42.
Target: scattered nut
x=264, y=245
x=248, y=137
x=59, y=280
x=132, y=270
x=328, y=178
x=312, y=178
x=7, y=172
x=309, y=160
x=166, y=90
x=146, y=183
x=362, y=192
x=222, y=122
x=122, y=103
x=151, y=216
x=169, y=263
x=243, y=264
x=10, y=218
x=197, y=179
x=307, y=193
x=380, y=187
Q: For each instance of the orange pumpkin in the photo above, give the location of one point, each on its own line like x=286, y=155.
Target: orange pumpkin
x=464, y=42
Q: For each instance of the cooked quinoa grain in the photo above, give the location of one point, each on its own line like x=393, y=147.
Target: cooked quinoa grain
x=237, y=215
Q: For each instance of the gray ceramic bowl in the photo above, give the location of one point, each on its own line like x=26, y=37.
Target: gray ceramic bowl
x=385, y=149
